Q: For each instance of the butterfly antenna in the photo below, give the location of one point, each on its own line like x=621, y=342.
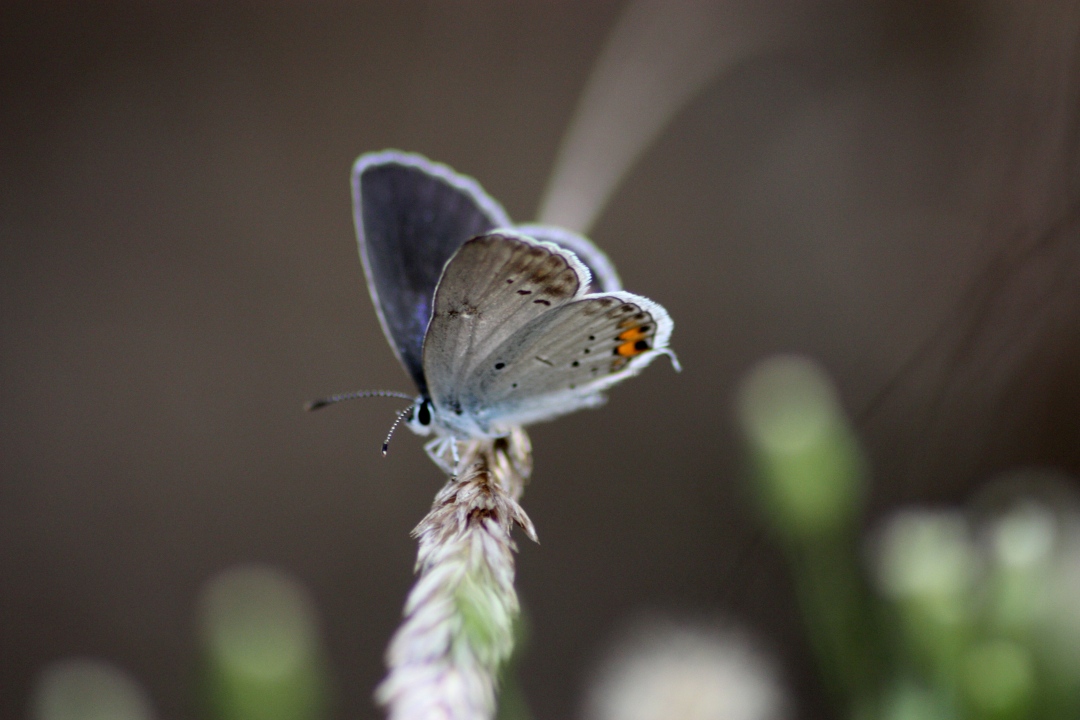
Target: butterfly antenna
x=397, y=421
x=323, y=402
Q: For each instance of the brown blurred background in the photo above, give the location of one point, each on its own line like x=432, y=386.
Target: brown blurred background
x=890, y=187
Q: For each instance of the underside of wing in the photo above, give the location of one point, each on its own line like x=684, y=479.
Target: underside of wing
x=411, y=216
x=562, y=360
x=604, y=277
x=493, y=286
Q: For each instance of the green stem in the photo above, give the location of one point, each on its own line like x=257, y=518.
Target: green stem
x=840, y=615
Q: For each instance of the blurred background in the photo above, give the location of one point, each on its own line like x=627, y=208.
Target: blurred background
x=890, y=187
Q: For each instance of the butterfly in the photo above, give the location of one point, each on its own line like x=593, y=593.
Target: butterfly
x=500, y=326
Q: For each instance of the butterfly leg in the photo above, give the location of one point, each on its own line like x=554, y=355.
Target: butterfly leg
x=454, y=452
x=443, y=452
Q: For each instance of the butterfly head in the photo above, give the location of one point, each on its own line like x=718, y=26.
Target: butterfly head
x=421, y=416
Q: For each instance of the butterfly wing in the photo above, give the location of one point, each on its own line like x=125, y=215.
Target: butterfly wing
x=493, y=286
x=411, y=216
x=513, y=340
x=563, y=359
x=604, y=277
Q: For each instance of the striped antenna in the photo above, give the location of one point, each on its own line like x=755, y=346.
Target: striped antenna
x=323, y=402
x=400, y=417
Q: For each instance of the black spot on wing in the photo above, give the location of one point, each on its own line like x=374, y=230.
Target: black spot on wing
x=541, y=270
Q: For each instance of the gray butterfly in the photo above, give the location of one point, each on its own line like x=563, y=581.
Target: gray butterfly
x=499, y=326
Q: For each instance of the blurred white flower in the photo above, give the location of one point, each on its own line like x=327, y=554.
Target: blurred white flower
x=1030, y=526
x=87, y=689
x=668, y=671
x=926, y=554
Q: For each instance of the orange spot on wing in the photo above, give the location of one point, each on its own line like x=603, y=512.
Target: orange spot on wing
x=632, y=335
x=628, y=349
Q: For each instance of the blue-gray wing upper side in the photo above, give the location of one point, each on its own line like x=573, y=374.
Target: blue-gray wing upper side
x=411, y=216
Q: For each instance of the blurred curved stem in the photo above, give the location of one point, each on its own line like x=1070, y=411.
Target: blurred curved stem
x=810, y=474
x=841, y=618
x=660, y=55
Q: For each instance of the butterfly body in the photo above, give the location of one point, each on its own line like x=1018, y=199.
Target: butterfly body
x=499, y=327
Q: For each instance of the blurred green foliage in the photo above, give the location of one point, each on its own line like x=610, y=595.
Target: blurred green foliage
x=957, y=614
x=261, y=651
x=942, y=614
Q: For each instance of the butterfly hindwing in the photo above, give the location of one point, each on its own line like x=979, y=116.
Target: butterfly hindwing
x=494, y=285
x=411, y=216
x=562, y=360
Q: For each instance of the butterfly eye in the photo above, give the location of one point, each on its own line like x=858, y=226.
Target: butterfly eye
x=423, y=416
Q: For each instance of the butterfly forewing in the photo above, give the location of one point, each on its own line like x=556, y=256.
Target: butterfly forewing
x=563, y=359
x=493, y=287
x=411, y=216
x=604, y=276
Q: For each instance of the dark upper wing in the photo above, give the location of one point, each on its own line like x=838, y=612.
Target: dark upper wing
x=411, y=215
